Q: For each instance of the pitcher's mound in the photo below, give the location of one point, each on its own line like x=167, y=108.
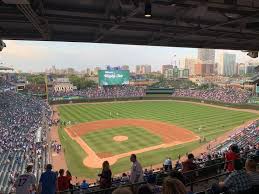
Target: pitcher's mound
x=120, y=138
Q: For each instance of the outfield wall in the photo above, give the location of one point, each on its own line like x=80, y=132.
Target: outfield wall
x=240, y=106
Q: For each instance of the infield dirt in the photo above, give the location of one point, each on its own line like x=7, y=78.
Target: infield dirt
x=171, y=135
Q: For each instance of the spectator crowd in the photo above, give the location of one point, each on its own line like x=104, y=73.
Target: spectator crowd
x=103, y=92
x=4, y=85
x=22, y=137
x=225, y=95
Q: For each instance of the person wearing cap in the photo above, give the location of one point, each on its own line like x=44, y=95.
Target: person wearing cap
x=26, y=183
x=48, y=181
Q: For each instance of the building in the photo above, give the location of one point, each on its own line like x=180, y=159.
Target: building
x=138, y=69
x=184, y=73
x=227, y=64
x=165, y=67
x=209, y=69
x=63, y=85
x=241, y=69
x=203, y=69
x=148, y=69
x=176, y=73
x=215, y=69
x=206, y=56
x=199, y=69
x=250, y=69
x=124, y=67
x=190, y=64
x=143, y=69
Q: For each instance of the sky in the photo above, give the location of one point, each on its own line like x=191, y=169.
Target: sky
x=36, y=56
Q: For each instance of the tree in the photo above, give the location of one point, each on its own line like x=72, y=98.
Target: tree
x=36, y=79
x=81, y=83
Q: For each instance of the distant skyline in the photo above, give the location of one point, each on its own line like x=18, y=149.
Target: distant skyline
x=36, y=56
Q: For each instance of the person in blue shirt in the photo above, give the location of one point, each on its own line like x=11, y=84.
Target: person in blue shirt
x=48, y=181
x=84, y=185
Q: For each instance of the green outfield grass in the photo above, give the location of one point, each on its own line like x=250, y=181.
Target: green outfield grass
x=205, y=121
x=137, y=138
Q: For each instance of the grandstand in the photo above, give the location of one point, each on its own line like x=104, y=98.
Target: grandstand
x=23, y=119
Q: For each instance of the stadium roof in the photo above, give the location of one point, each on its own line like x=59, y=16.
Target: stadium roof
x=224, y=24
x=2, y=68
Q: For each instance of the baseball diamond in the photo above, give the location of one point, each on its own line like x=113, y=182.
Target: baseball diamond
x=152, y=130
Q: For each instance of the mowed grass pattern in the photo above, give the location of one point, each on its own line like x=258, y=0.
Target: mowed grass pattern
x=102, y=141
x=202, y=120
x=205, y=121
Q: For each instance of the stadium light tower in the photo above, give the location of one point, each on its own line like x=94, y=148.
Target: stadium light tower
x=46, y=87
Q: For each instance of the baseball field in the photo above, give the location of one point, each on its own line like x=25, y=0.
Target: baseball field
x=151, y=129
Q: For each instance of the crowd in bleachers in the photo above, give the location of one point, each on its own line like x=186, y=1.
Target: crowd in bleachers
x=4, y=85
x=103, y=92
x=225, y=95
x=21, y=123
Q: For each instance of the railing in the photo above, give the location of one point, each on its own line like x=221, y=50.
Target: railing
x=190, y=183
x=218, y=166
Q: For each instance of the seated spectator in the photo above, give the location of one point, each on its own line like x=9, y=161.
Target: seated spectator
x=48, y=181
x=63, y=181
x=238, y=181
x=105, y=176
x=209, y=161
x=188, y=167
x=124, y=178
x=257, y=155
x=156, y=189
x=122, y=190
x=251, y=171
x=173, y=186
x=178, y=165
x=84, y=185
x=177, y=175
x=144, y=189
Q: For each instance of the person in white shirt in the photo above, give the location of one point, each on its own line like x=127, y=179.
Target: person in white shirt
x=168, y=164
x=136, y=174
x=26, y=183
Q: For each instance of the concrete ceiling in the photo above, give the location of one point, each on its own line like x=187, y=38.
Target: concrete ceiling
x=220, y=24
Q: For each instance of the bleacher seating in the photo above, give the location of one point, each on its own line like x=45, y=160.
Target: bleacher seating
x=21, y=117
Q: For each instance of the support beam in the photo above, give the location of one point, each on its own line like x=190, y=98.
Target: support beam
x=30, y=14
x=116, y=26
